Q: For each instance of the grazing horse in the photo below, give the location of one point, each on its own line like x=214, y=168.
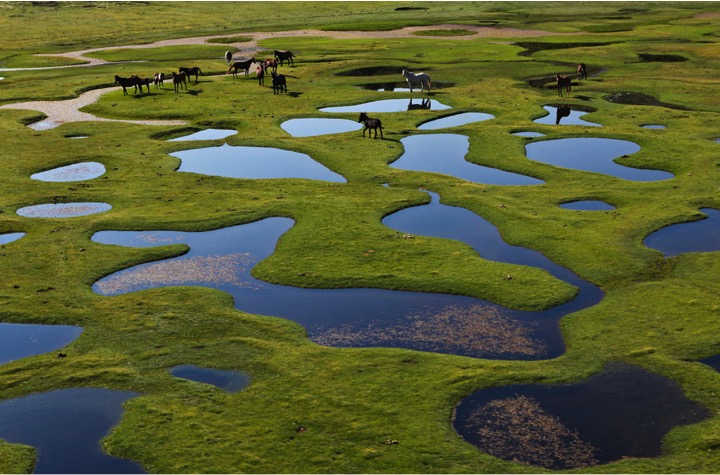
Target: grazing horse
x=371, y=124
x=283, y=56
x=270, y=63
x=228, y=57
x=244, y=65
x=582, y=71
x=159, y=80
x=260, y=73
x=412, y=78
x=126, y=82
x=140, y=82
x=279, y=83
x=179, y=80
x=563, y=82
x=191, y=71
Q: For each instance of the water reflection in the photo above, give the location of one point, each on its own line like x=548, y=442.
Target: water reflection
x=529, y=134
x=76, y=172
x=390, y=105
x=22, y=340
x=565, y=114
x=10, y=237
x=254, y=163
x=229, y=381
x=697, y=236
x=63, y=210
x=209, y=134
x=624, y=411
x=592, y=155
x=455, y=120
x=445, y=153
x=65, y=426
x=312, y=127
x=587, y=205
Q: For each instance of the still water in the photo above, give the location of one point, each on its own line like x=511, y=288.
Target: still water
x=75, y=172
x=63, y=210
x=23, y=340
x=229, y=381
x=390, y=105
x=311, y=127
x=697, y=236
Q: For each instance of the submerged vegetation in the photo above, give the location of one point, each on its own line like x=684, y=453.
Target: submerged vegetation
x=311, y=408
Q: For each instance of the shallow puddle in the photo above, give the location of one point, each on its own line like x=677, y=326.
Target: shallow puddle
x=10, y=237
x=455, y=120
x=654, y=126
x=390, y=105
x=587, y=205
x=529, y=134
x=63, y=210
x=312, y=127
x=76, y=172
x=697, y=236
x=253, y=163
x=209, y=134
x=23, y=340
x=624, y=411
x=229, y=381
x=592, y=155
x=65, y=427
x=564, y=116
x=445, y=153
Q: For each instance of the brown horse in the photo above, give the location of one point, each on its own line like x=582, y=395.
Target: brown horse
x=244, y=65
x=582, y=71
x=563, y=83
x=191, y=71
x=283, y=56
x=271, y=63
x=179, y=80
x=371, y=124
x=260, y=73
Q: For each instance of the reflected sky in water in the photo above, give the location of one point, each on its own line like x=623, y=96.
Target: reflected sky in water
x=229, y=381
x=697, y=236
x=564, y=116
x=23, y=340
x=312, y=126
x=390, y=105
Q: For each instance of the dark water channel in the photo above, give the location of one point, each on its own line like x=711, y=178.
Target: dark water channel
x=624, y=411
x=65, y=427
x=697, y=236
x=228, y=381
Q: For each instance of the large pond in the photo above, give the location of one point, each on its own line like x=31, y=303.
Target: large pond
x=75, y=172
x=63, y=210
x=442, y=323
x=65, y=427
x=254, y=163
x=455, y=120
x=564, y=115
x=23, y=340
x=390, y=105
x=697, y=236
x=228, y=381
x=624, y=411
x=311, y=127
x=592, y=155
x=445, y=153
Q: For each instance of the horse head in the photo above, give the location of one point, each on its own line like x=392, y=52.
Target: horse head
x=363, y=117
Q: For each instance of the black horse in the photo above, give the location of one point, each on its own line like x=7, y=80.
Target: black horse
x=189, y=72
x=371, y=124
x=279, y=83
x=127, y=82
x=283, y=56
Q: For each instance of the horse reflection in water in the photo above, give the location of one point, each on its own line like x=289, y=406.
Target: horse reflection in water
x=561, y=111
x=425, y=104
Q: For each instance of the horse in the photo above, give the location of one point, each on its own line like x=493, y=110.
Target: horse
x=270, y=63
x=412, y=78
x=371, y=124
x=126, y=82
x=179, y=80
x=279, y=83
x=582, y=71
x=191, y=71
x=260, y=73
x=283, y=56
x=425, y=104
x=228, y=57
x=159, y=79
x=563, y=82
x=561, y=111
x=244, y=65
x=140, y=82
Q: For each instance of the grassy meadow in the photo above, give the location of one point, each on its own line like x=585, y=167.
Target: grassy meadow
x=659, y=314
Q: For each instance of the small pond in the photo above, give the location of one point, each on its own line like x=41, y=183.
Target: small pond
x=654, y=126
x=624, y=411
x=10, y=237
x=456, y=120
x=229, y=381
x=311, y=127
x=592, y=155
x=63, y=210
x=696, y=236
x=713, y=361
x=588, y=205
x=253, y=163
x=65, y=427
x=529, y=134
x=564, y=116
x=209, y=134
x=23, y=340
x=445, y=153
x=390, y=105
x=76, y=172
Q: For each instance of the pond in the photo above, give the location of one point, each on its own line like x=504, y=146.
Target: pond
x=360, y=317
x=564, y=115
x=311, y=127
x=390, y=105
x=593, y=155
x=23, y=340
x=654, y=126
x=696, y=236
x=75, y=172
x=208, y=134
x=65, y=427
x=228, y=381
x=624, y=411
x=445, y=153
x=63, y=210
x=455, y=120
x=713, y=361
x=529, y=134
x=10, y=237
x=253, y=163
x=588, y=205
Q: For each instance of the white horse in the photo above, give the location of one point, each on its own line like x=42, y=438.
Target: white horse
x=413, y=78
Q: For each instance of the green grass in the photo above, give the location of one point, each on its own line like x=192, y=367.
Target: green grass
x=659, y=314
